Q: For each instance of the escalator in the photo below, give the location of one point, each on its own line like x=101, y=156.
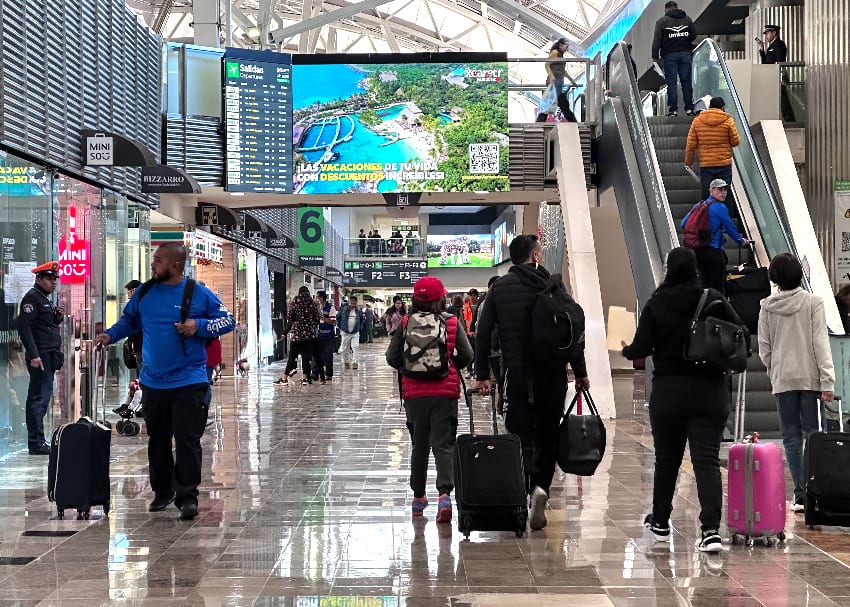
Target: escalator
x=642, y=159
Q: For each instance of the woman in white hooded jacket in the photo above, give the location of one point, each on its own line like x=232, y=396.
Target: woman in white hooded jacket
x=794, y=346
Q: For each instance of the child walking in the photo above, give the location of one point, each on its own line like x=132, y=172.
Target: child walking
x=430, y=403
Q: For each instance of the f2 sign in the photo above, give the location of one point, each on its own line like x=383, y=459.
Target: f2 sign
x=99, y=150
x=74, y=258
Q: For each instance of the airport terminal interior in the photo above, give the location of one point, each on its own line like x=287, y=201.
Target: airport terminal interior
x=353, y=148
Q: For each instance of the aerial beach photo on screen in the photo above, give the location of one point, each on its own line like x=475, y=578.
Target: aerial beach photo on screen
x=400, y=127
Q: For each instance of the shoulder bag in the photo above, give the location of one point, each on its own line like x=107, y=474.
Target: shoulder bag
x=714, y=340
x=581, y=443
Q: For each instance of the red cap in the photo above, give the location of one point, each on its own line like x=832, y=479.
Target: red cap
x=429, y=288
x=51, y=268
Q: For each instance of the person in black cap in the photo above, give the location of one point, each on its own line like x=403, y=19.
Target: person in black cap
x=38, y=326
x=772, y=49
x=672, y=44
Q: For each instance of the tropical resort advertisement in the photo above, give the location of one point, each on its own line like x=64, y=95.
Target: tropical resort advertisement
x=460, y=251
x=400, y=127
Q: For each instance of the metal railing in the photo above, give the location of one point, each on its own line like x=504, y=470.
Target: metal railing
x=403, y=246
x=575, y=84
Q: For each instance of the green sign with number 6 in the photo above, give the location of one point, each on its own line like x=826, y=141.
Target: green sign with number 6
x=311, y=243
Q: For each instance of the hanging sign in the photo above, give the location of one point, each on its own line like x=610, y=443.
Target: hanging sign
x=311, y=244
x=74, y=258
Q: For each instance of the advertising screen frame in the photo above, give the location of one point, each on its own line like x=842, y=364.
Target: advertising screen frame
x=445, y=250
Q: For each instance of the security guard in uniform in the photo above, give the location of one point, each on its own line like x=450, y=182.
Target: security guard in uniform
x=38, y=326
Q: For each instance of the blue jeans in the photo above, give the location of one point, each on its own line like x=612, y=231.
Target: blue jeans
x=679, y=64
x=798, y=416
x=38, y=398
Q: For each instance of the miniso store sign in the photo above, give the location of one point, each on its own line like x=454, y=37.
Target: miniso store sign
x=99, y=150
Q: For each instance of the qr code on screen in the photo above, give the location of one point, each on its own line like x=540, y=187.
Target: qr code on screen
x=845, y=242
x=484, y=158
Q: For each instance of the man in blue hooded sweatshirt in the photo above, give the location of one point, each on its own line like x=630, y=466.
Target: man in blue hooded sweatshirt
x=174, y=377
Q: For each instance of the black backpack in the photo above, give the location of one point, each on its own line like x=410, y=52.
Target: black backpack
x=185, y=304
x=557, y=325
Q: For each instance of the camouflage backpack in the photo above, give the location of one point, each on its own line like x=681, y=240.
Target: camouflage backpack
x=425, y=352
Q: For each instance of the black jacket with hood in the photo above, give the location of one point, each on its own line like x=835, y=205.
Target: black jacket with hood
x=673, y=32
x=509, y=304
x=666, y=319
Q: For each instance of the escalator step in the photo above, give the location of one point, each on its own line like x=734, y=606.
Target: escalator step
x=673, y=154
x=682, y=182
x=670, y=143
x=670, y=130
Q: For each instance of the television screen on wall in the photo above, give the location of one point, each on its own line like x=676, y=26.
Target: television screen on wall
x=400, y=123
x=460, y=251
x=503, y=234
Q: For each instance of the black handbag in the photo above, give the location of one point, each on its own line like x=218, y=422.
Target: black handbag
x=581, y=443
x=714, y=340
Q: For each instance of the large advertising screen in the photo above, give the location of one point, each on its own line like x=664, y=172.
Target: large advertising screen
x=503, y=233
x=466, y=251
x=258, y=121
x=375, y=124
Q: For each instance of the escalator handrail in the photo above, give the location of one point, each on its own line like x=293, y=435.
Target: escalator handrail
x=658, y=191
x=746, y=135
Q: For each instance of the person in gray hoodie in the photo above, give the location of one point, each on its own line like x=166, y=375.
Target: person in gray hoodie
x=794, y=346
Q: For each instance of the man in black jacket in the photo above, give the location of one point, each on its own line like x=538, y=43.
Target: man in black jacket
x=38, y=326
x=772, y=49
x=535, y=391
x=672, y=44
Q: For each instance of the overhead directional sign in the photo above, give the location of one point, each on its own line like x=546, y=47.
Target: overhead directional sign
x=388, y=273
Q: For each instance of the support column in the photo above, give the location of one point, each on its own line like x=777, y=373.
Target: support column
x=207, y=17
x=827, y=24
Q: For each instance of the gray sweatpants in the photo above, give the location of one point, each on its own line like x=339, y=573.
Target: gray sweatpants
x=432, y=422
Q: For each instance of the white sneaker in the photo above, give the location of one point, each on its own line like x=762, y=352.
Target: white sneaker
x=710, y=542
x=798, y=505
x=537, y=517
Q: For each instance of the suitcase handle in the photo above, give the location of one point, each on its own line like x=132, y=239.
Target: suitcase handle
x=468, y=393
x=821, y=405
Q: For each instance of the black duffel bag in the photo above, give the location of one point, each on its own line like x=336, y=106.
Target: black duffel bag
x=716, y=341
x=581, y=443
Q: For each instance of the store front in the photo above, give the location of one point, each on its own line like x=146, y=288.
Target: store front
x=100, y=239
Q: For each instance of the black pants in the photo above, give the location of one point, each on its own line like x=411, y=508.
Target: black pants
x=432, y=423
x=306, y=349
x=535, y=404
x=181, y=414
x=39, y=396
x=325, y=356
x=712, y=267
x=677, y=418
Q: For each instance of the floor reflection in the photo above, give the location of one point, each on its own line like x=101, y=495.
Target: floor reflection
x=305, y=502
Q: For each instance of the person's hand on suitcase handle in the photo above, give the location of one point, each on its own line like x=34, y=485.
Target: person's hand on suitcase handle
x=103, y=340
x=483, y=387
x=827, y=396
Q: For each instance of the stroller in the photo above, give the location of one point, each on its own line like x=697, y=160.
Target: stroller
x=131, y=408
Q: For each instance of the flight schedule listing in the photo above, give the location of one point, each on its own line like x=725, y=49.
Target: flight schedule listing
x=258, y=115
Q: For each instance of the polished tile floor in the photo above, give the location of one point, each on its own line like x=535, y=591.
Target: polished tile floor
x=305, y=503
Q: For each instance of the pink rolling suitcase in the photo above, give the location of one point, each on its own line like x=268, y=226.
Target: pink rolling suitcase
x=756, y=502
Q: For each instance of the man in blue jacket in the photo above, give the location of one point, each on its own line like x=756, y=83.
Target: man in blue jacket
x=174, y=376
x=349, y=319
x=712, y=260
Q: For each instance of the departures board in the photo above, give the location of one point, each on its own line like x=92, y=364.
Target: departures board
x=385, y=273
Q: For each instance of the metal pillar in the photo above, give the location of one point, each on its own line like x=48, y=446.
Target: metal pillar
x=207, y=22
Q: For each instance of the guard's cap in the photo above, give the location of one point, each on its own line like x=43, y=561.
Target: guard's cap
x=718, y=183
x=429, y=288
x=51, y=268
x=771, y=28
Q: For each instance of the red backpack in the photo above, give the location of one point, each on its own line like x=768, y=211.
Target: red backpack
x=698, y=226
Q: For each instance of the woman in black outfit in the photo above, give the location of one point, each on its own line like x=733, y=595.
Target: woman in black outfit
x=689, y=401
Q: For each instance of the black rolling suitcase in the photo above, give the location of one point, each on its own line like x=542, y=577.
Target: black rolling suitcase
x=78, y=466
x=827, y=461
x=746, y=287
x=489, y=479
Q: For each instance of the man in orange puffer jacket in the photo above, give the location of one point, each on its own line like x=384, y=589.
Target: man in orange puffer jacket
x=713, y=133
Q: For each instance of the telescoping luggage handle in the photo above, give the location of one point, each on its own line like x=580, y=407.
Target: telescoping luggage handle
x=99, y=387
x=740, y=407
x=821, y=404
x=468, y=393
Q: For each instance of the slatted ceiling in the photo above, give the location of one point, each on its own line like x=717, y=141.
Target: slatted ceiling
x=205, y=154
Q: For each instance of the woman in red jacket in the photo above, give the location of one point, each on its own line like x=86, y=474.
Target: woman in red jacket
x=431, y=404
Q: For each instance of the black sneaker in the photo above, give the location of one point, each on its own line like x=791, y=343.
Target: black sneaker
x=689, y=112
x=661, y=533
x=160, y=502
x=121, y=409
x=673, y=113
x=42, y=449
x=710, y=541
x=188, y=511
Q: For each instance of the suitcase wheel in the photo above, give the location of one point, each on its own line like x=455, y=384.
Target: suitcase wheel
x=131, y=428
x=780, y=536
x=61, y=514
x=83, y=515
x=465, y=526
x=521, y=521
x=121, y=425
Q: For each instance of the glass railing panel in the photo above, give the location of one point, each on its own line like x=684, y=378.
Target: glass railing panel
x=392, y=246
x=622, y=83
x=710, y=77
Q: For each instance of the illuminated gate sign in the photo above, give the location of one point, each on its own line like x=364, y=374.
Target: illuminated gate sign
x=74, y=255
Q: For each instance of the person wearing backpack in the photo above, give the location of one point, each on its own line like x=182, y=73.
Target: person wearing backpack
x=535, y=370
x=175, y=315
x=429, y=350
x=689, y=402
x=704, y=227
